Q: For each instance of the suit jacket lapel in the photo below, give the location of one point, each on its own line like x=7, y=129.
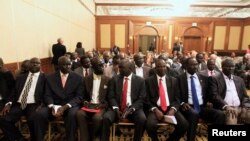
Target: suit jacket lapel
x=185, y=84
x=101, y=88
x=120, y=87
x=155, y=85
x=169, y=87
x=58, y=80
x=89, y=83
x=132, y=87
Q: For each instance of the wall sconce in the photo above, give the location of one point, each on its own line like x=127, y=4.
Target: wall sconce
x=209, y=39
x=176, y=38
x=130, y=37
x=164, y=38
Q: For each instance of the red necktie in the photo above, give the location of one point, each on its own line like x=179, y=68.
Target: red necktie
x=162, y=96
x=124, y=94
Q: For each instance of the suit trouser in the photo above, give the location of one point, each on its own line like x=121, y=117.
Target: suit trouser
x=44, y=114
x=7, y=123
x=207, y=114
x=138, y=117
x=83, y=118
x=180, y=128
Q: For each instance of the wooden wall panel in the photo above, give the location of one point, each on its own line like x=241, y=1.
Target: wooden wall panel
x=219, y=38
x=246, y=37
x=120, y=35
x=234, y=37
x=105, y=35
x=46, y=66
x=172, y=30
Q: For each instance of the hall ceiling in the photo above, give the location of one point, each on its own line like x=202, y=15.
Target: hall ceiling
x=174, y=8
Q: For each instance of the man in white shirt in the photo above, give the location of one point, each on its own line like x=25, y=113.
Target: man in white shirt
x=94, y=102
x=227, y=89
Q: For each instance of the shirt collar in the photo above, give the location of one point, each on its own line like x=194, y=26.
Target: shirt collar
x=34, y=74
x=225, y=77
x=129, y=77
x=139, y=67
x=96, y=77
x=194, y=75
x=163, y=77
x=62, y=74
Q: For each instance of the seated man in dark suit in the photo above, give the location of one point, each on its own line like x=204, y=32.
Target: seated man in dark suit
x=125, y=95
x=139, y=68
x=228, y=90
x=195, y=99
x=63, y=95
x=85, y=68
x=26, y=99
x=210, y=71
x=7, y=84
x=96, y=87
x=162, y=98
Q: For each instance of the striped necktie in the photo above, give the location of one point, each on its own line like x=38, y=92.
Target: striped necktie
x=26, y=92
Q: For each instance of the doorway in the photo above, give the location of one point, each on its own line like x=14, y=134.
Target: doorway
x=192, y=43
x=147, y=43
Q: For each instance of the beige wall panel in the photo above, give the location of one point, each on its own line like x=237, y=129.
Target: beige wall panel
x=120, y=35
x=234, y=38
x=170, y=35
x=105, y=31
x=246, y=37
x=7, y=48
x=219, y=38
x=31, y=27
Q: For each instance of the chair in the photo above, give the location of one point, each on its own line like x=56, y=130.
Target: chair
x=126, y=132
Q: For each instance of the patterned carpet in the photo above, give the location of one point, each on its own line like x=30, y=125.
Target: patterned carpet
x=125, y=133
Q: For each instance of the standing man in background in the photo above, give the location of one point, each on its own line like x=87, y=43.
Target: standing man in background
x=58, y=50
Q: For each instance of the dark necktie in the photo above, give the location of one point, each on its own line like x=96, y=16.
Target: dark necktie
x=162, y=96
x=86, y=72
x=124, y=94
x=194, y=95
x=26, y=92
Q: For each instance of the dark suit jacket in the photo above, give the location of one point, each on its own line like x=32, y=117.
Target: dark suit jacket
x=169, y=72
x=20, y=84
x=152, y=91
x=58, y=50
x=205, y=72
x=217, y=88
x=137, y=91
x=79, y=71
x=7, y=84
x=183, y=85
x=103, y=89
x=202, y=66
x=72, y=93
x=145, y=71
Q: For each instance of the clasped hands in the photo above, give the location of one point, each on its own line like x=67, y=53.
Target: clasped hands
x=93, y=106
x=159, y=114
x=230, y=111
x=59, y=112
x=125, y=114
x=5, y=110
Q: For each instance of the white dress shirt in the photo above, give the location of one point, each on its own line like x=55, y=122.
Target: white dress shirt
x=95, y=90
x=231, y=98
x=139, y=71
x=31, y=93
x=129, y=102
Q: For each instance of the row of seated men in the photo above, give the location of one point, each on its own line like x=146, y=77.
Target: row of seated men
x=126, y=95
